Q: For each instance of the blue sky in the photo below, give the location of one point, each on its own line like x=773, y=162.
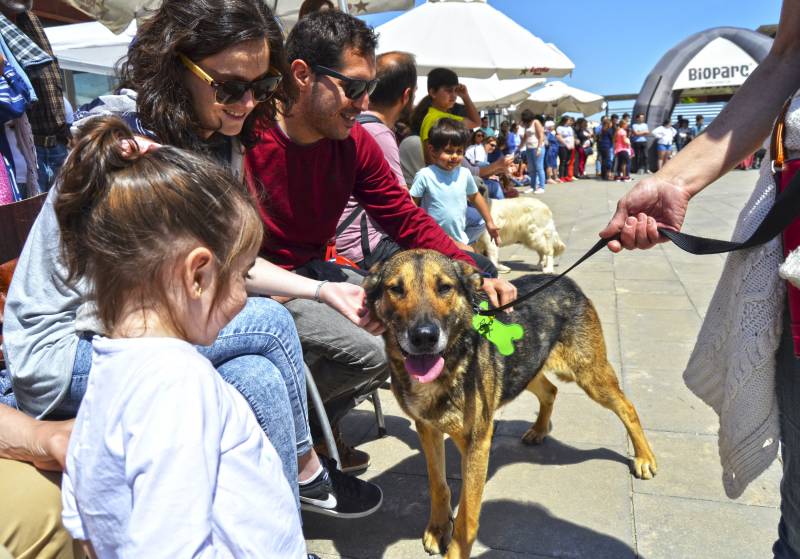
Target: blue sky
x=615, y=44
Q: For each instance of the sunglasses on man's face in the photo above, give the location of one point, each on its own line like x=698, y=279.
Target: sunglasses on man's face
x=353, y=88
x=232, y=91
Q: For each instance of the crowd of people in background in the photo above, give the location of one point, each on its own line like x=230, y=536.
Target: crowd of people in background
x=544, y=151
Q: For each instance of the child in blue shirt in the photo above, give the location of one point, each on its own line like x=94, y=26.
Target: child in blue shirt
x=444, y=187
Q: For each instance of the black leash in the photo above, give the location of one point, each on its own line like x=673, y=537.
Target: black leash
x=783, y=212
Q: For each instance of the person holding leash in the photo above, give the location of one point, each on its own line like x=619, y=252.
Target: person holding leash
x=749, y=313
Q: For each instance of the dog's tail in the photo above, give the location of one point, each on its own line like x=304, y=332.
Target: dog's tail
x=558, y=245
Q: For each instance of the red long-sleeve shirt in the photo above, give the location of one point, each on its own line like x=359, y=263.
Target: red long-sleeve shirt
x=302, y=191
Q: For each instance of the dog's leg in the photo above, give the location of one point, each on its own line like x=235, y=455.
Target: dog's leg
x=474, y=464
x=548, y=265
x=604, y=389
x=437, y=534
x=493, y=254
x=546, y=393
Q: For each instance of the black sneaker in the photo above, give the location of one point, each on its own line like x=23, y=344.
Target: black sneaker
x=336, y=494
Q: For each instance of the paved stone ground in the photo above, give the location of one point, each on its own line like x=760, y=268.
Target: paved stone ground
x=574, y=496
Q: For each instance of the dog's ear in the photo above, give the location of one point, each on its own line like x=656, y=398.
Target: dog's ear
x=469, y=278
x=373, y=283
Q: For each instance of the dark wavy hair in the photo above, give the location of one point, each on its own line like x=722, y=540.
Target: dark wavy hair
x=196, y=29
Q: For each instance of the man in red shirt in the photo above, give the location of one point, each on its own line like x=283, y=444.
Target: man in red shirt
x=305, y=168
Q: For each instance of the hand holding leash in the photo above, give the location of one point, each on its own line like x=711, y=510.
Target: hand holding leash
x=653, y=203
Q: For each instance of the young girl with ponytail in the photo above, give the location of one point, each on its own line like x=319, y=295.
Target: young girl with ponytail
x=165, y=457
x=199, y=76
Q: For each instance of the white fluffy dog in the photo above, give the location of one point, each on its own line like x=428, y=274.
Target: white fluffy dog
x=526, y=221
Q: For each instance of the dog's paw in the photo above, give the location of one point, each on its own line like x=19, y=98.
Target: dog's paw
x=536, y=435
x=644, y=467
x=436, y=538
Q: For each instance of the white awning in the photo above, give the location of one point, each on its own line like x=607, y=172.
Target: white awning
x=473, y=39
x=558, y=97
x=489, y=92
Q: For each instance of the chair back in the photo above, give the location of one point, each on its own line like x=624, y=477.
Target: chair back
x=16, y=221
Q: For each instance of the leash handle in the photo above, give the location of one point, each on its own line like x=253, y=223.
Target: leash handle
x=783, y=212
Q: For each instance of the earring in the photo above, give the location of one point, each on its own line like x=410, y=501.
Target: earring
x=197, y=289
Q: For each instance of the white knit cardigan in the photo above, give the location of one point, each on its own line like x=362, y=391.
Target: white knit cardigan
x=732, y=366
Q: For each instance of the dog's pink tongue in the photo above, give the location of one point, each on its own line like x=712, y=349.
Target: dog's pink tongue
x=424, y=368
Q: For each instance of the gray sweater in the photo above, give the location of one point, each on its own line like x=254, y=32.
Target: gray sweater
x=44, y=317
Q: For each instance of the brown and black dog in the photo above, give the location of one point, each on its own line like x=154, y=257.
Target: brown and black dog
x=450, y=379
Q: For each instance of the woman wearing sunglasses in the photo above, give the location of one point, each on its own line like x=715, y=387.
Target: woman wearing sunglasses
x=198, y=76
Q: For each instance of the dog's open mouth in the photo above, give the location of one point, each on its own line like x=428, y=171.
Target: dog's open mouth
x=424, y=368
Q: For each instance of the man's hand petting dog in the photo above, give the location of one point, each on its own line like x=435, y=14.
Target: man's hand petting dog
x=499, y=292
x=351, y=301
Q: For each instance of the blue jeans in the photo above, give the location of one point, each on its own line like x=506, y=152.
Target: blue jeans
x=787, y=385
x=475, y=224
x=535, y=167
x=259, y=354
x=6, y=392
x=49, y=161
x=494, y=189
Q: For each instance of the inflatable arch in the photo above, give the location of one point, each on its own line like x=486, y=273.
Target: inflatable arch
x=721, y=57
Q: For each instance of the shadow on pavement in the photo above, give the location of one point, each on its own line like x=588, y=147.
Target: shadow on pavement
x=513, y=526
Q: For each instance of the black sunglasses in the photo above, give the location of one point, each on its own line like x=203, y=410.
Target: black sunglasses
x=232, y=91
x=353, y=88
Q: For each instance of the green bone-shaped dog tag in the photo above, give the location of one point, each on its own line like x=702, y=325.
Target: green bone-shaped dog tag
x=501, y=335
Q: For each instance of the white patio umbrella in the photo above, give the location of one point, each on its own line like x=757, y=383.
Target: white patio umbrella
x=472, y=38
x=558, y=97
x=287, y=10
x=118, y=14
x=489, y=92
x=89, y=47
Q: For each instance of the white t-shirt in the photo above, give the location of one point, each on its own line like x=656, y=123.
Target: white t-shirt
x=568, y=135
x=664, y=135
x=167, y=460
x=531, y=141
x=476, y=154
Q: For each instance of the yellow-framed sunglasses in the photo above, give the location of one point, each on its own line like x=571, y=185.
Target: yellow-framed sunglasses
x=232, y=91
